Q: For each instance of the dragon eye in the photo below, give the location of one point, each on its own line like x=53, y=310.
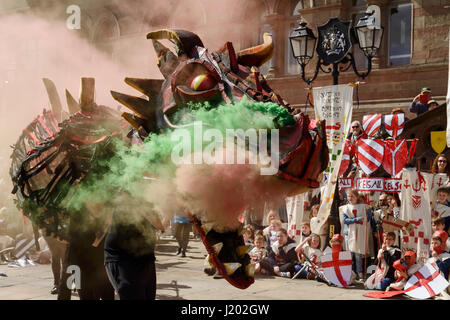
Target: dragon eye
x=203, y=82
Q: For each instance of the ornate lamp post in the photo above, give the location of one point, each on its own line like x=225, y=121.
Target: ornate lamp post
x=334, y=43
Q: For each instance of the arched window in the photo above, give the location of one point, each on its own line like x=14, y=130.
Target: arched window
x=292, y=66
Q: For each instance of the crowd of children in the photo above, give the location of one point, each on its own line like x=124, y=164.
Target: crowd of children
x=275, y=253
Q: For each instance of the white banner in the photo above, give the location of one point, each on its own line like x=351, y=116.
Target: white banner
x=416, y=210
x=295, y=212
x=335, y=105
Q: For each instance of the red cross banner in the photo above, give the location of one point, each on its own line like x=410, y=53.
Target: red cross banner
x=337, y=267
x=370, y=154
x=371, y=124
x=427, y=282
x=394, y=124
x=295, y=213
x=395, y=154
x=416, y=209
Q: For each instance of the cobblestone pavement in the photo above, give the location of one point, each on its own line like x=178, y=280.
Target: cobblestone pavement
x=182, y=279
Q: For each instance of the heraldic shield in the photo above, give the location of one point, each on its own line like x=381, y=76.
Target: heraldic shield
x=334, y=41
x=337, y=267
x=438, y=141
x=426, y=283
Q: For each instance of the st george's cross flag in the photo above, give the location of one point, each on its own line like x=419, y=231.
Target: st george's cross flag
x=335, y=105
x=371, y=124
x=394, y=124
x=295, y=212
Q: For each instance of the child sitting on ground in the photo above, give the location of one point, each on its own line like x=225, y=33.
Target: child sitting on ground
x=438, y=253
x=305, y=228
x=258, y=252
x=310, y=247
x=248, y=234
x=281, y=258
x=404, y=269
x=274, y=227
x=439, y=224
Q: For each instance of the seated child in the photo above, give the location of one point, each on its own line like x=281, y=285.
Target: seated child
x=439, y=224
x=274, y=227
x=442, y=207
x=258, y=252
x=282, y=256
x=438, y=253
x=404, y=269
x=310, y=247
x=387, y=255
x=248, y=234
x=306, y=230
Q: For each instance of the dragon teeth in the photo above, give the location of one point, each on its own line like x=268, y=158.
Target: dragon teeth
x=242, y=250
x=217, y=247
x=250, y=270
x=232, y=267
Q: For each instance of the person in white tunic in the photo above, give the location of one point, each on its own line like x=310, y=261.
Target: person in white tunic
x=354, y=215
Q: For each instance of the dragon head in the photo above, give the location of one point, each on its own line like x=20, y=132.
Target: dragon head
x=225, y=76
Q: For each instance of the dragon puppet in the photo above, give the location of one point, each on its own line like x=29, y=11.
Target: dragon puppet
x=55, y=156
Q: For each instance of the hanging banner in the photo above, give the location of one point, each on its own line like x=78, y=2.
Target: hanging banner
x=335, y=105
x=295, y=211
x=371, y=124
x=395, y=154
x=416, y=210
x=346, y=183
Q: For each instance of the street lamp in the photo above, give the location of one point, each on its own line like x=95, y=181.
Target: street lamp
x=333, y=45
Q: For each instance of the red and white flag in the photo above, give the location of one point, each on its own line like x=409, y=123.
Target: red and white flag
x=337, y=266
x=346, y=157
x=370, y=154
x=371, y=124
x=426, y=283
x=394, y=124
x=395, y=153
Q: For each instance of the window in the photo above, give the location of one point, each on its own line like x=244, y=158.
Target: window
x=400, y=34
x=292, y=66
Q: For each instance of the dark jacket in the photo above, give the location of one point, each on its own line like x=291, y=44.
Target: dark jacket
x=418, y=108
x=280, y=255
x=390, y=256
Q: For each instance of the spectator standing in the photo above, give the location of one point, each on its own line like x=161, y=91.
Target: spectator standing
x=182, y=229
x=419, y=104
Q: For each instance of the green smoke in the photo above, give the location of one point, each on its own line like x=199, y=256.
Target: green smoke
x=122, y=167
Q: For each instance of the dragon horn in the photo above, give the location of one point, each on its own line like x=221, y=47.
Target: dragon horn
x=72, y=104
x=258, y=55
x=53, y=96
x=87, y=94
x=167, y=60
x=184, y=40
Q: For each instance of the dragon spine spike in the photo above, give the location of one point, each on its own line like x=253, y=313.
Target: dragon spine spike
x=131, y=120
x=243, y=250
x=258, y=55
x=87, y=94
x=149, y=87
x=217, y=247
x=72, y=104
x=231, y=267
x=53, y=96
x=250, y=270
x=138, y=105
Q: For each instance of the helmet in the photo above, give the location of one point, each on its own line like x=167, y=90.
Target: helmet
x=400, y=265
x=442, y=235
x=411, y=255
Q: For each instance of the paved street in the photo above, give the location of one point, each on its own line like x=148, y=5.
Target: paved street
x=181, y=279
